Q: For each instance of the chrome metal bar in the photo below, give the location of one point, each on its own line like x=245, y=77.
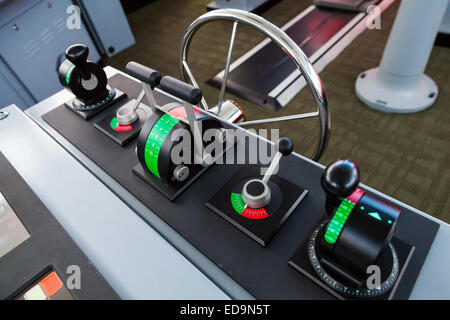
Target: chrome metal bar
x=139, y=99
x=191, y=77
x=196, y=133
x=279, y=119
x=149, y=95
x=273, y=167
x=227, y=67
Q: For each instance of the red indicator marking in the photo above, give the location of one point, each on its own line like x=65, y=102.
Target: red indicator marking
x=356, y=195
x=117, y=127
x=180, y=113
x=123, y=128
x=51, y=284
x=255, y=214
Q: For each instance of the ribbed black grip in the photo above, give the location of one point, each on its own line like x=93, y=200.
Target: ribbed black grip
x=143, y=73
x=181, y=90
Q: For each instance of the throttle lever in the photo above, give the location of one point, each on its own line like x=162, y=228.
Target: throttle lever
x=149, y=78
x=256, y=192
x=190, y=96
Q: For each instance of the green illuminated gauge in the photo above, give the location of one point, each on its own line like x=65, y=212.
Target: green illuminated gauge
x=155, y=141
x=158, y=140
x=69, y=73
x=114, y=123
x=345, y=289
x=237, y=202
x=338, y=221
x=341, y=215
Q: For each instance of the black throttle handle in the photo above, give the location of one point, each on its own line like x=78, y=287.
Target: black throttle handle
x=144, y=74
x=181, y=90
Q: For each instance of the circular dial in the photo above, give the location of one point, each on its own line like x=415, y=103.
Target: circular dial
x=116, y=126
x=256, y=214
x=324, y=275
x=97, y=104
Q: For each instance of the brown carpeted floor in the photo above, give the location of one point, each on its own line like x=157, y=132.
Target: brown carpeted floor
x=404, y=156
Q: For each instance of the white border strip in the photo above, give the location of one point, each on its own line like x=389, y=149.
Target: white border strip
x=263, y=43
x=321, y=62
x=316, y=55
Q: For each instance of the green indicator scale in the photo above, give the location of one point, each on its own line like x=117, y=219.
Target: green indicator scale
x=69, y=73
x=338, y=221
x=237, y=202
x=155, y=140
x=155, y=144
x=114, y=123
x=163, y=137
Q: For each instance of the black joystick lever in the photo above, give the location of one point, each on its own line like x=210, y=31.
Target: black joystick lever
x=78, y=54
x=87, y=80
x=256, y=192
x=191, y=96
x=339, y=181
x=360, y=225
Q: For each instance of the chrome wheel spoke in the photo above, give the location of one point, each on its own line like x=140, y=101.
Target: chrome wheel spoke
x=227, y=66
x=194, y=83
x=279, y=37
x=281, y=119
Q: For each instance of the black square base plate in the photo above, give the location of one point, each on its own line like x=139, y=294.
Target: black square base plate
x=302, y=263
x=121, y=135
x=259, y=224
x=86, y=115
x=171, y=191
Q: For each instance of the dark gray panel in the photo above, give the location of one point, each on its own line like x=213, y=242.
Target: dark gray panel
x=49, y=246
x=264, y=272
x=36, y=48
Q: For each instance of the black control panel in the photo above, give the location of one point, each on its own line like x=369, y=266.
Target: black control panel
x=283, y=230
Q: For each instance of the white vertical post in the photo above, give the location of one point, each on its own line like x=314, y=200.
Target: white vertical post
x=412, y=37
x=399, y=85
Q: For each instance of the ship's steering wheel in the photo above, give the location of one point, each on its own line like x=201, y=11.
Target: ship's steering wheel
x=289, y=47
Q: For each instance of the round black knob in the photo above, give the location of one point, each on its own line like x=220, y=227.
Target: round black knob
x=78, y=54
x=341, y=178
x=284, y=146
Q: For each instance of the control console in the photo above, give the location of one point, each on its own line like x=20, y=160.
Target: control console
x=287, y=221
